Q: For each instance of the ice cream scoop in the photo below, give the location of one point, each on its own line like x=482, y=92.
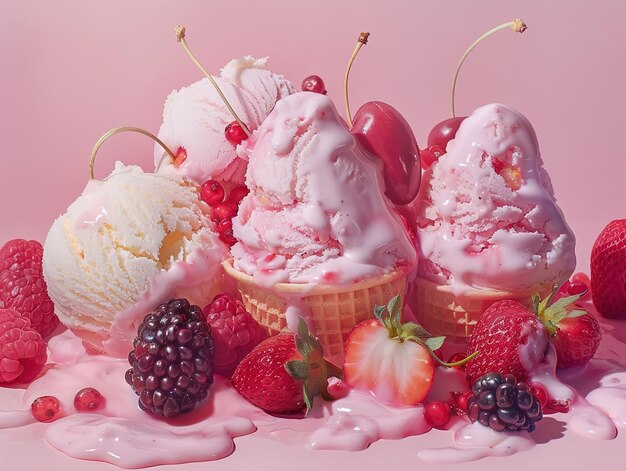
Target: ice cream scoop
x=128, y=243
x=195, y=117
x=317, y=210
x=487, y=215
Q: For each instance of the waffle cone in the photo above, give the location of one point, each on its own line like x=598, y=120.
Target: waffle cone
x=442, y=312
x=332, y=310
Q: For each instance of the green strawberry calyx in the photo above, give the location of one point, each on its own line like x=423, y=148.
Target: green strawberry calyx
x=390, y=317
x=313, y=370
x=550, y=312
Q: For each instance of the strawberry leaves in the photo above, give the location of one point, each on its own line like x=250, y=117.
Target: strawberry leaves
x=410, y=331
x=312, y=370
x=551, y=313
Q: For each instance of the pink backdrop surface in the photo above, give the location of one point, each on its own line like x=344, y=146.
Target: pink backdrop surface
x=71, y=70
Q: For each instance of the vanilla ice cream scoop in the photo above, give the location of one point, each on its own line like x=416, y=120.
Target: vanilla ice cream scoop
x=128, y=243
x=195, y=117
x=487, y=214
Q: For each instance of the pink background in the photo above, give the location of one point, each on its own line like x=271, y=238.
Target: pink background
x=71, y=70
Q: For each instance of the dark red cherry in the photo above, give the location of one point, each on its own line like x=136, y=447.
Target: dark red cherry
x=444, y=131
x=314, y=83
x=383, y=131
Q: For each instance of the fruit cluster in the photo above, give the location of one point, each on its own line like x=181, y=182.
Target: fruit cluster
x=223, y=208
x=503, y=404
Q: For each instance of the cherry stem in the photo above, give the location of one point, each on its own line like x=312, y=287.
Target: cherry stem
x=516, y=25
x=92, y=158
x=360, y=43
x=180, y=37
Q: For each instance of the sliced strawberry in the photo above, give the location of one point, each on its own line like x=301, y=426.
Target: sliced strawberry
x=393, y=361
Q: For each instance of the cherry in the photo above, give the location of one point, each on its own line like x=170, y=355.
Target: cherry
x=225, y=231
x=235, y=134
x=88, y=399
x=212, y=193
x=430, y=155
x=457, y=357
x=444, y=132
x=314, y=83
x=437, y=413
x=384, y=132
x=45, y=408
x=237, y=194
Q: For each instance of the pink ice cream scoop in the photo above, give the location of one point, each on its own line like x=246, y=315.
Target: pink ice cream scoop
x=195, y=117
x=487, y=215
x=316, y=212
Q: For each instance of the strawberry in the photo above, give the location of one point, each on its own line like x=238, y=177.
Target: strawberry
x=393, y=361
x=500, y=335
x=608, y=270
x=22, y=286
x=575, y=333
x=284, y=373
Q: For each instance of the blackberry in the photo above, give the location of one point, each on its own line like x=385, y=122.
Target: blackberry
x=172, y=359
x=500, y=402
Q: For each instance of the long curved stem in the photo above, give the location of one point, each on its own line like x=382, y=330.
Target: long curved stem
x=516, y=25
x=360, y=43
x=180, y=37
x=92, y=158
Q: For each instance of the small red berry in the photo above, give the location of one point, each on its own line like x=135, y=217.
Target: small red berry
x=437, y=413
x=88, y=399
x=225, y=231
x=315, y=84
x=45, y=408
x=225, y=211
x=430, y=155
x=237, y=194
x=459, y=401
x=212, y=193
x=457, y=357
x=235, y=134
x=181, y=156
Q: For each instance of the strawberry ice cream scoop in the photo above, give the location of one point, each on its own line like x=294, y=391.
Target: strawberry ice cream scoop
x=195, y=117
x=316, y=211
x=487, y=214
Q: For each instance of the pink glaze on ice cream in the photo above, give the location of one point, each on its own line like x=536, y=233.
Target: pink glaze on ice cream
x=195, y=117
x=487, y=216
x=316, y=212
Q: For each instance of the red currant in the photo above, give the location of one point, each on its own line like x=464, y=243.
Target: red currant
x=430, y=155
x=437, y=413
x=540, y=391
x=315, y=84
x=225, y=231
x=212, y=193
x=45, y=408
x=225, y=211
x=88, y=399
x=238, y=193
x=235, y=134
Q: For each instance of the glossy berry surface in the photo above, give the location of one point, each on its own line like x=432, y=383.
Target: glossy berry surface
x=437, y=413
x=171, y=360
x=608, y=270
x=22, y=286
x=503, y=404
x=22, y=350
x=444, y=132
x=212, y=193
x=235, y=134
x=234, y=331
x=315, y=84
x=224, y=211
x=88, y=399
x=225, y=231
x=45, y=408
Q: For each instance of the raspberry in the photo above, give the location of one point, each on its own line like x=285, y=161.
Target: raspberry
x=22, y=286
x=171, y=362
x=22, y=351
x=235, y=332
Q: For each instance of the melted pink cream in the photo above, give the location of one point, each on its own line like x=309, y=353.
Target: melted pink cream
x=316, y=204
